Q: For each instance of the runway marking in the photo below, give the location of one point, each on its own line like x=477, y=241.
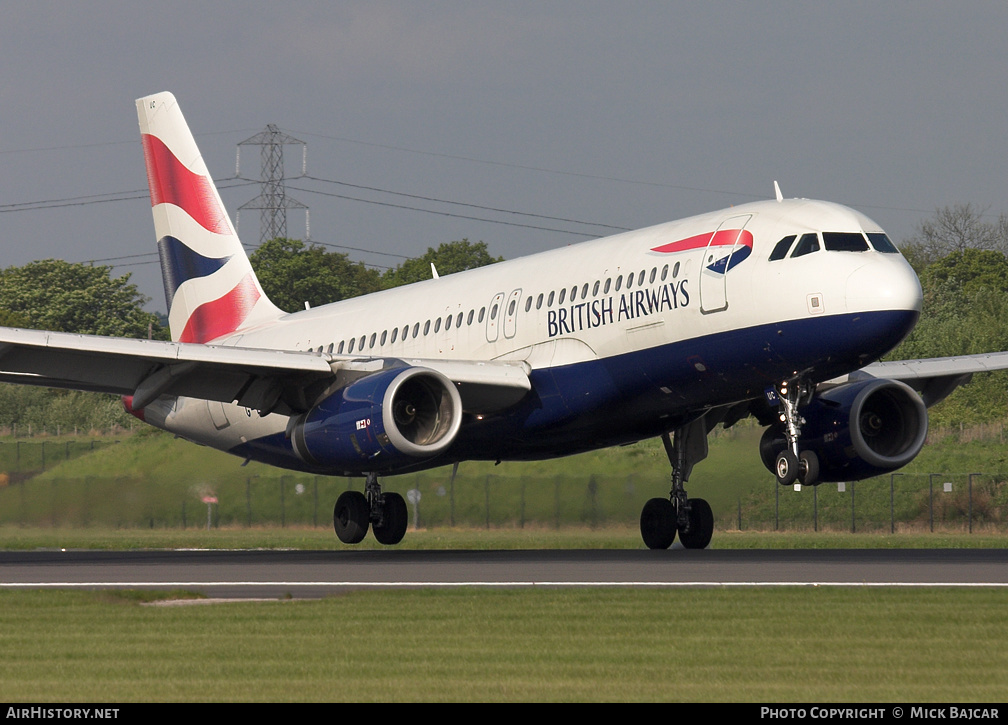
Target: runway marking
x=501, y=584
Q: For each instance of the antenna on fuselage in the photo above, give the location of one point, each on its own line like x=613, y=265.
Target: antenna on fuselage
x=776, y=188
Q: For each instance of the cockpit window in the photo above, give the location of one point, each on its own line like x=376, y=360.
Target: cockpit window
x=882, y=243
x=844, y=242
x=780, y=250
x=806, y=245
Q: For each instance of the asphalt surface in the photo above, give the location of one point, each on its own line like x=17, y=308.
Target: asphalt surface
x=281, y=574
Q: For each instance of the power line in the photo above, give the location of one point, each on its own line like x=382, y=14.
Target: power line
x=438, y=213
x=466, y=204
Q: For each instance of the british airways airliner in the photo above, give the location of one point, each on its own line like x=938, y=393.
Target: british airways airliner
x=776, y=309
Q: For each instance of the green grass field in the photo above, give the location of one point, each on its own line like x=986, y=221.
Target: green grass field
x=464, y=645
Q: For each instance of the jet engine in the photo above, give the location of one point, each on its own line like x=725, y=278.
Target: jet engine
x=856, y=430
x=380, y=421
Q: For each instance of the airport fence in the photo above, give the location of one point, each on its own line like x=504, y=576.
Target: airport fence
x=898, y=502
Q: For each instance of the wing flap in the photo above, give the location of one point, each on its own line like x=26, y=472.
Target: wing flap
x=266, y=380
x=147, y=369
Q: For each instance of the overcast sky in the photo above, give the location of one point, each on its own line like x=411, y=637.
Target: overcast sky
x=532, y=123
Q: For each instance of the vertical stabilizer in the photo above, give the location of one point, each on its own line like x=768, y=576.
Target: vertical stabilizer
x=209, y=284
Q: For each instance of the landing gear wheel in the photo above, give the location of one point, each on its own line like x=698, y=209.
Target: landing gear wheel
x=786, y=467
x=658, y=523
x=697, y=534
x=350, y=517
x=808, y=468
x=395, y=518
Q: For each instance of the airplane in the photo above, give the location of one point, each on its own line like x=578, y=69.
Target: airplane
x=776, y=309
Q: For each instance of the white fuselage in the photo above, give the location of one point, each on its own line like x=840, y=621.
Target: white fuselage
x=617, y=305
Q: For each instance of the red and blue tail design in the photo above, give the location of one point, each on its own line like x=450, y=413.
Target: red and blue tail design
x=209, y=284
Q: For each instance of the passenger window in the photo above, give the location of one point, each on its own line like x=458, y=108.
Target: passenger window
x=416, y=330
x=844, y=242
x=470, y=318
x=629, y=280
x=371, y=342
x=384, y=336
x=352, y=342
x=654, y=272
x=437, y=325
x=395, y=334
x=806, y=245
x=780, y=249
x=606, y=289
x=340, y=350
x=563, y=292
x=596, y=288
x=539, y=301
x=584, y=290
x=482, y=313
x=549, y=302
x=447, y=323
x=675, y=270
x=882, y=243
x=619, y=283
x=511, y=307
x=664, y=273
x=573, y=293
x=493, y=312
x=426, y=328
x=458, y=320
x=640, y=279
x=528, y=304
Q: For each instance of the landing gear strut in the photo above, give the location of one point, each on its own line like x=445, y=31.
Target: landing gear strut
x=692, y=518
x=793, y=464
x=385, y=513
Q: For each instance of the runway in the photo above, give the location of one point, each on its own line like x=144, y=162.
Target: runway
x=312, y=574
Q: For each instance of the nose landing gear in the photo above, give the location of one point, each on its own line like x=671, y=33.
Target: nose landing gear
x=794, y=465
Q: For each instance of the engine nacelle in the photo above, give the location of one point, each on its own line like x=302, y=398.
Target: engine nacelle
x=857, y=430
x=379, y=421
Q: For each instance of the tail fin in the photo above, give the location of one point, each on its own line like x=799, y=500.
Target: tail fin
x=209, y=284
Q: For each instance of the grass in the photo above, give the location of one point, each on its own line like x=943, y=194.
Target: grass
x=469, y=538
x=461, y=645
x=151, y=480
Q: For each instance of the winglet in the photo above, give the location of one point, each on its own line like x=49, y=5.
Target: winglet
x=433, y=271
x=780, y=197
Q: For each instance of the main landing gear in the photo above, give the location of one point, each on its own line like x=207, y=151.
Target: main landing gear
x=793, y=465
x=386, y=514
x=692, y=518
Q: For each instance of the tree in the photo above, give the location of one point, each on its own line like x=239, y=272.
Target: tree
x=52, y=294
x=965, y=312
x=292, y=273
x=968, y=270
x=448, y=258
x=955, y=229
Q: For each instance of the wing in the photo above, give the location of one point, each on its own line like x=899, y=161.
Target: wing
x=267, y=380
x=934, y=378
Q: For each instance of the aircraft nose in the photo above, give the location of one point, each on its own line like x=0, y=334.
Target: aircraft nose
x=884, y=284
